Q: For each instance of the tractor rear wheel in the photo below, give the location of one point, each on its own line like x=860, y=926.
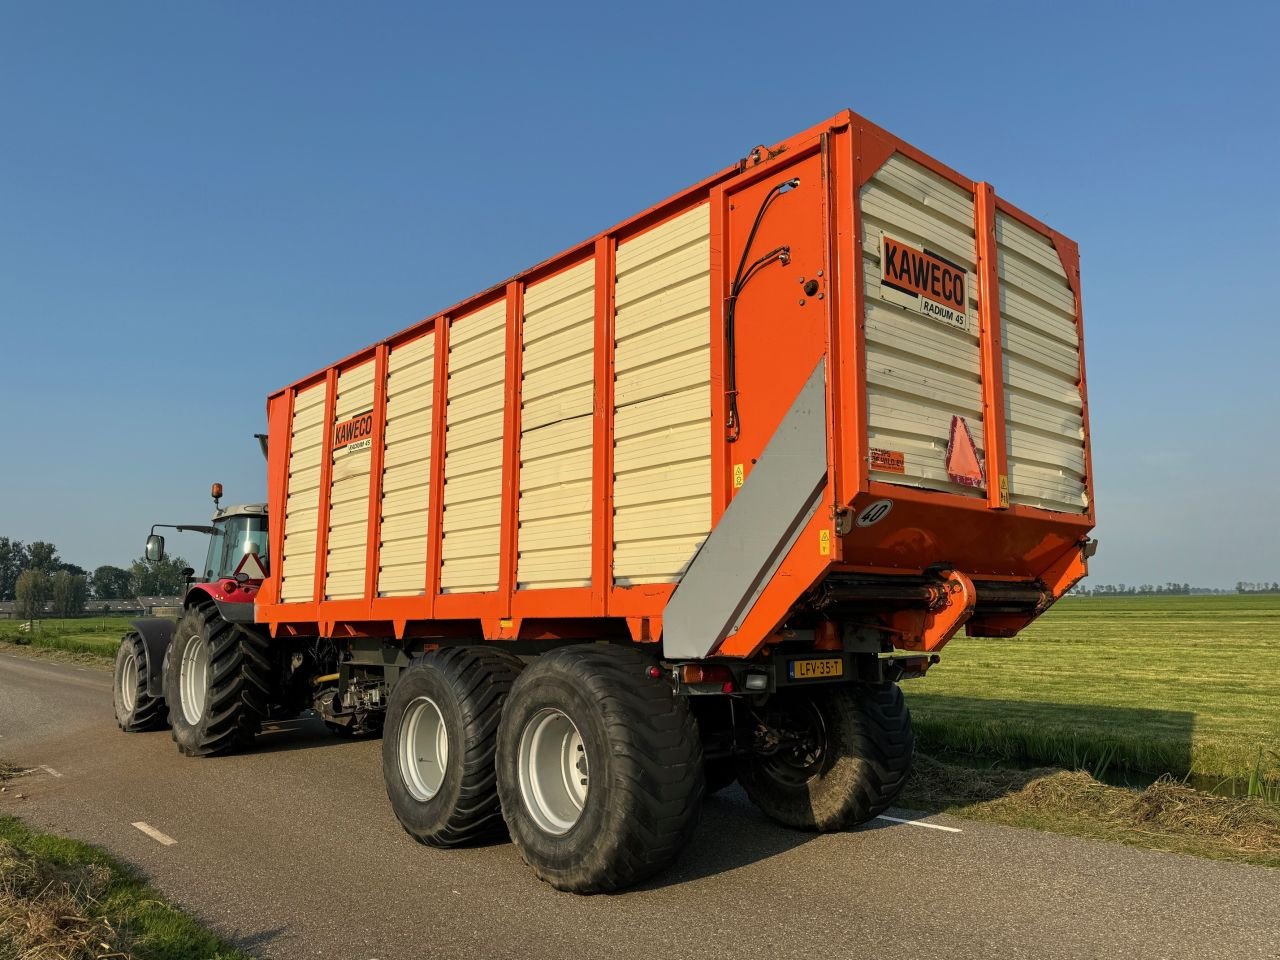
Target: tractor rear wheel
x=135, y=709
x=599, y=768
x=831, y=757
x=218, y=683
x=438, y=744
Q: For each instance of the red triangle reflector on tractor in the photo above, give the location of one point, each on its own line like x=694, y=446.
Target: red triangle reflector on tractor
x=963, y=465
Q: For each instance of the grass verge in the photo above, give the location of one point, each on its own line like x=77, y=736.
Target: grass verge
x=96, y=637
x=64, y=899
x=1167, y=815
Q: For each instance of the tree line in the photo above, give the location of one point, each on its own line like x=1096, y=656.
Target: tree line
x=1168, y=589
x=33, y=575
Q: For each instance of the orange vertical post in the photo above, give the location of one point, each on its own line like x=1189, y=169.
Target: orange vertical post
x=993, y=426
x=508, y=549
x=602, y=429
x=278, y=454
x=435, y=505
x=326, y=483
x=373, y=535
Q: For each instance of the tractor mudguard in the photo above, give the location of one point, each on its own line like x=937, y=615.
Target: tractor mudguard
x=239, y=612
x=156, y=634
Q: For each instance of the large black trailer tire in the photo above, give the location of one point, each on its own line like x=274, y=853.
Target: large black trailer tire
x=854, y=762
x=136, y=711
x=438, y=744
x=599, y=768
x=218, y=681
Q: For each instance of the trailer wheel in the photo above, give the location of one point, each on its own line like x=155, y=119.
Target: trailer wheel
x=136, y=711
x=438, y=744
x=599, y=768
x=829, y=758
x=218, y=683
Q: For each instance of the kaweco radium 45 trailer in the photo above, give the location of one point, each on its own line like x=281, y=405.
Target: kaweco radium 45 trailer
x=676, y=507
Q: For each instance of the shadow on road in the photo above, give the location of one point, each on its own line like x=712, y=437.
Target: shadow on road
x=731, y=834
x=301, y=733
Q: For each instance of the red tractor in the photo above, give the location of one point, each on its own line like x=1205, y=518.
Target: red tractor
x=212, y=676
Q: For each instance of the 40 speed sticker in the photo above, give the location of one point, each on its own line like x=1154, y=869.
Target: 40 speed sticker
x=873, y=513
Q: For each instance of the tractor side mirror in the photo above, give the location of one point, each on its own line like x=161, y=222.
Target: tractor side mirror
x=155, y=548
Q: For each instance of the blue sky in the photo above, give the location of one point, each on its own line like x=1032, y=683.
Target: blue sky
x=201, y=202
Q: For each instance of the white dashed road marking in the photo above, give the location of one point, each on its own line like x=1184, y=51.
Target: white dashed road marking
x=155, y=834
x=920, y=823
x=52, y=772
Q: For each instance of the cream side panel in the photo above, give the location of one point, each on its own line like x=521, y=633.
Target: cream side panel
x=406, y=473
x=349, y=492
x=920, y=372
x=302, y=500
x=557, y=402
x=1044, y=408
x=662, y=400
x=472, y=520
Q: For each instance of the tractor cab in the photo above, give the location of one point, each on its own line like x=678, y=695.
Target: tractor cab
x=236, y=561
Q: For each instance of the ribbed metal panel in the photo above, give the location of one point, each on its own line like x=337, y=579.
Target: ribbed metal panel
x=1044, y=409
x=920, y=371
x=557, y=401
x=406, y=473
x=472, y=521
x=662, y=400
x=302, y=503
x=349, y=491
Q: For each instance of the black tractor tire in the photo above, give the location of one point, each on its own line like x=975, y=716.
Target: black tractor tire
x=721, y=773
x=866, y=752
x=467, y=686
x=640, y=751
x=136, y=711
x=238, y=688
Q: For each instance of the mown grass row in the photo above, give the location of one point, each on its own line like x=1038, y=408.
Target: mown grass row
x=1186, y=686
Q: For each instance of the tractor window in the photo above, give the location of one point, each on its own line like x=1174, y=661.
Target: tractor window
x=232, y=539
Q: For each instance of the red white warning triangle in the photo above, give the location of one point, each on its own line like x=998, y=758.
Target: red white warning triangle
x=251, y=567
x=963, y=465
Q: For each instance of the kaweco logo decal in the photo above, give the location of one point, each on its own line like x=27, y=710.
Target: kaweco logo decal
x=354, y=434
x=935, y=286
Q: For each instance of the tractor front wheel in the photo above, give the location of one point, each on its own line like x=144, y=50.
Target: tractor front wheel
x=136, y=710
x=217, y=681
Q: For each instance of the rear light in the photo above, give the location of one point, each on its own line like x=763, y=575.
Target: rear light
x=707, y=673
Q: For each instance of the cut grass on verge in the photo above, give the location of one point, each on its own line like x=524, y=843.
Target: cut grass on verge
x=1167, y=815
x=64, y=899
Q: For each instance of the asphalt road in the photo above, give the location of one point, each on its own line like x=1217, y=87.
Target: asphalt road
x=292, y=851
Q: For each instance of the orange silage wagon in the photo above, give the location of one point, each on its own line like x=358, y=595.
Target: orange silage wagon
x=681, y=505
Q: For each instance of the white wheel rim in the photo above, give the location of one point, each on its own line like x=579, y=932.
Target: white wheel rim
x=423, y=748
x=193, y=678
x=129, y=682
x=554, y=778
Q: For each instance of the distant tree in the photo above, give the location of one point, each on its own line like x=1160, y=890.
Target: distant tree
x=13, y=560
x=162, y=578
x=30, y=592
x=69, y=592
x=43, y=556
x=110, y=583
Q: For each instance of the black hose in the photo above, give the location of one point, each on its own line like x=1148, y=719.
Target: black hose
x=733, y=421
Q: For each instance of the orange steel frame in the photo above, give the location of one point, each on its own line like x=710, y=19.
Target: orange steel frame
x=983, y=536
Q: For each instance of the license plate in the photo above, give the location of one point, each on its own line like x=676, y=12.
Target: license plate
x=821, y=668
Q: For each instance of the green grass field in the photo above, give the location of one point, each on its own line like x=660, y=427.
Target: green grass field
x=1179, y=685
x=99, y=636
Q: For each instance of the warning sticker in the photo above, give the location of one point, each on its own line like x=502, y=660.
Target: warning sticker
x=888, y=461
x=355, y=434
x=925, y=281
